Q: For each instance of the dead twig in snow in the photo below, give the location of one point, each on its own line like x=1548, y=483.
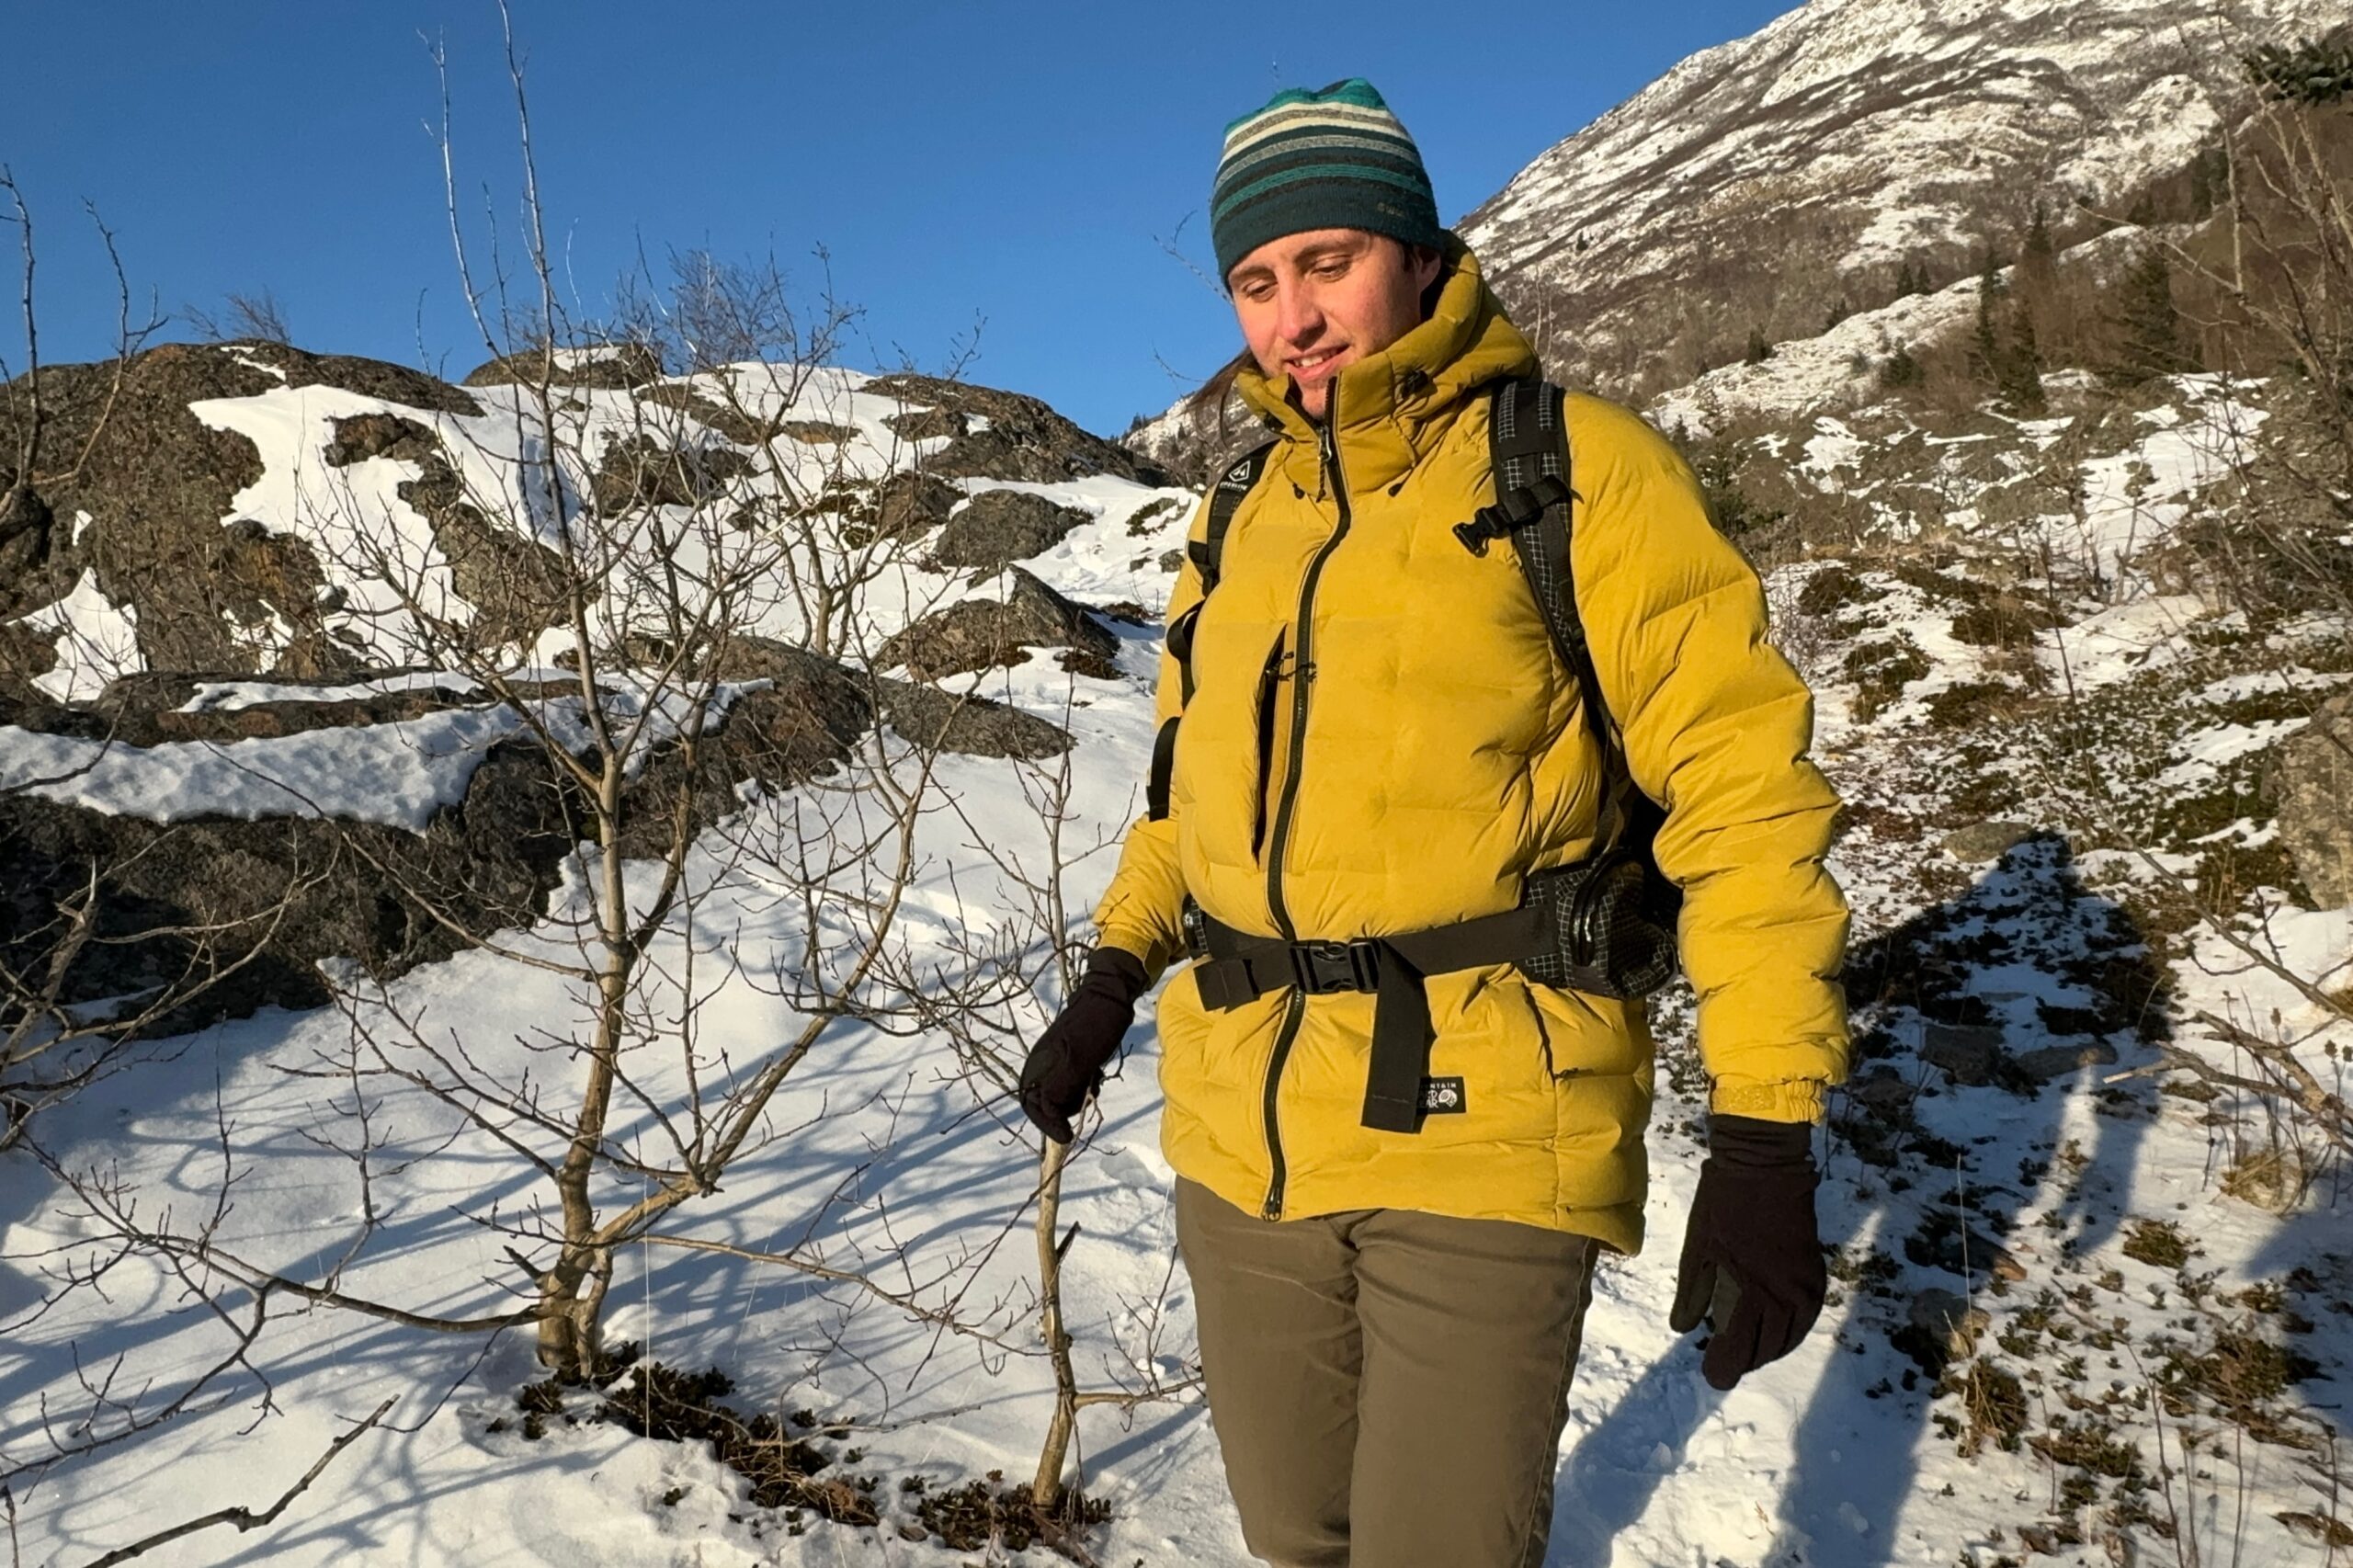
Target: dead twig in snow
x=244, y=1519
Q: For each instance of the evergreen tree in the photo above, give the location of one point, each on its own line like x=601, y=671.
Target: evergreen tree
x=2150, y=341
x=1900, y=370
x=2021, y=368
x=2038, y=234
x=1985, y=348
x=1759, y=350
x=2314, y=72
x=2210, y=179
x=1838, y=313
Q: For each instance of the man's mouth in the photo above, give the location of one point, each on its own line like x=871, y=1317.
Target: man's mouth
x=1308, y=364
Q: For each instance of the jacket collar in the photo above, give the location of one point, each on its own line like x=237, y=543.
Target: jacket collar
x=1389, y=409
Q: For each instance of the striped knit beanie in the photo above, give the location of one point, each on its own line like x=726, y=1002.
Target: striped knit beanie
x=1336, y=159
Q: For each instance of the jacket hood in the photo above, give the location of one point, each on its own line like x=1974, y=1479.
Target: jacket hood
x=1388, y=408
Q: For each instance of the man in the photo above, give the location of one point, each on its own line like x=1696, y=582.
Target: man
x=1376, y=739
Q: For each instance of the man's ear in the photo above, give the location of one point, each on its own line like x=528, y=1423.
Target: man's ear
x=1428, y=263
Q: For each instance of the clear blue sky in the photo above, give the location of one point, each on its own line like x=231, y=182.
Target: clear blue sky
x=1016, y=164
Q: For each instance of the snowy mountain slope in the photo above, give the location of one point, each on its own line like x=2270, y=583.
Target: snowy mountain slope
x=1759, y=182
x=1776, y=181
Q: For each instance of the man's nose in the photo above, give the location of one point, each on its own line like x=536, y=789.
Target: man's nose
x=1297, y=318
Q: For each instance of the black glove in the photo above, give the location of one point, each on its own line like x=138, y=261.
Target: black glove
x=1066, y=1064
x=1751, y=1261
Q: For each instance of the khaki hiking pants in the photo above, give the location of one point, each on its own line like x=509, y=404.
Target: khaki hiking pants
x=1388, y=1387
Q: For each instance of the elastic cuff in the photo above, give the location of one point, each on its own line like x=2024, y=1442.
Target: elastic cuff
x=1748, y=1141
x=1138, y=943
x=1792, y=1099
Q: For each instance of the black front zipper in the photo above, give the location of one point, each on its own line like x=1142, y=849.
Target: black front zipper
x=1304, y=677
x=1294, y=1009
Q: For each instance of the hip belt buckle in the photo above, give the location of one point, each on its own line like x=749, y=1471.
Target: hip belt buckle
x=1319, y=968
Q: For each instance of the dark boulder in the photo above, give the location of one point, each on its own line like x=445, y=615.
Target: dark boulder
x=997, y=527
x=608, y=366
x=158, y=485
x=1022, y=439
x=972, y=726
x=909, y=502
x=640, y=470
x=26, y=521
x=365, y=436
x=980, y=634
x=2311, y=780
x=927, y=424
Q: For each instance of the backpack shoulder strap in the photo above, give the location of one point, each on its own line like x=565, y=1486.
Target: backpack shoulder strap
x=1527, y=450
x=1225, y=499
x=1208, y=555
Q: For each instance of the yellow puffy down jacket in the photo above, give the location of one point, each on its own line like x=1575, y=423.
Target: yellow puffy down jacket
x=1434, y=756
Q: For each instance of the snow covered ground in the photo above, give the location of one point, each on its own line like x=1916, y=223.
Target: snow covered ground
x=2079, y=1208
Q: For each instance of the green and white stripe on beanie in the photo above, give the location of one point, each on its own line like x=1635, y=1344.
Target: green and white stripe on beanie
x=1334, y=159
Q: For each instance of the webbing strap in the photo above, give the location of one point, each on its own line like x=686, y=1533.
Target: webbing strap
x=1233, y=486
x=1207, y=554
x=1529, y=451
x=1240, y=968
x=1164, y=768
x=1527, y=443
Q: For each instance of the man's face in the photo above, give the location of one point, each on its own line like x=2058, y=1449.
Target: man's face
x=1309, y=304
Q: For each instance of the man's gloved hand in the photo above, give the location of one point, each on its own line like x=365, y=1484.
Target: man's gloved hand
x=1751, y=1261
x=1066, y=1064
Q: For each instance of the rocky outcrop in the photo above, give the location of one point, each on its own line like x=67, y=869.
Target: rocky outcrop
x=2311, y=780
x=158, y=486
x=997, y=527
x=973, y=726
x=1981, y=842
x=612, y=366
x=1018, y=437
x=640, y=470
x=911, y=501
x=982, y=634
x=277, y=897
x=928, y=424
x=515, y=584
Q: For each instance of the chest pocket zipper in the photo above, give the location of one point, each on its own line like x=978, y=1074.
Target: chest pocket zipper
x=1270, y=677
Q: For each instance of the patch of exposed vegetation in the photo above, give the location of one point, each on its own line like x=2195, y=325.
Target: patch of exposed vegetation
x=1880, y=670
x=982, y=1515
x=2158, y=1243
x=1993, y=1407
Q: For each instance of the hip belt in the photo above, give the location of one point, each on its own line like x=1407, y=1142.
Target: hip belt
x=1235, y=968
